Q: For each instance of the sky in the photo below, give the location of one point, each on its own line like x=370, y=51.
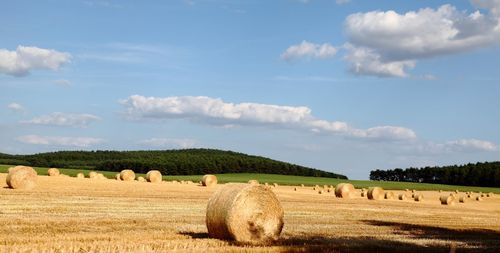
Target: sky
x=340, y=85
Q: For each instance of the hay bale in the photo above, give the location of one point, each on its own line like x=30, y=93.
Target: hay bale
x=447, y=200
x=344, y=190
x=457, y=191
x=375, y=193
x=440, y=191
x=127, y=175
x=418, y=197
x=244, y=213
x=175, y=181
x=253, y=182
x=363, y=194
x=22, y=177
x=489, y=194
x=52, y=172
x=80, y=175
x=462, y=199
x=469, y=196
x=209, y=180
x=402, y=196
x=314, y=188
x=325, y=187
x=266, y=184
x=479, y=198
x=413, y=191
x=301, y=185
x=328, y=190
x=118, y=177
x=154, y=176
x=295, y=188
x=275, y=184
x=389, y=195
x=92, y=174
x=101, y=176
x=141, y=179
x=320, y=191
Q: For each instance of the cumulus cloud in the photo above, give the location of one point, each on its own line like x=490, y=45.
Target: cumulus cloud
x=24, y=59
x=60, y=140
x=309, y=50
x=169, y=142
x=387, y=43
x=217, y=112
x=15, y=107
x=64, y=119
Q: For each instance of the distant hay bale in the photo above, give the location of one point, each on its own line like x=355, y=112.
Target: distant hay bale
x=482, y=195
x=182, y=182
x=275, y=184
x=389, y=195
x=325, y=186
x=413, y=191
x=418, y=197
x=118, y=177
x=244, y=213
x=209, y=180
x=80, y=175
x=406, y=190
x=154, y=176
x=447, y=200
x=22, y=177
x=479, y=198
x=320, y=191
x=462, y=199
x=301, y=185
x=92, y=174
x=314, y=188
x=253, y=182
x=328, y=190
x=141, y=179
x=295, y=188
x=402, y=196
x=440, y=191
x=457, y=191
x=317, y=186
x=101, y=176
x=266, y=184
x=53, y=172
x=363, y=194
x=469, y=196
x=344, y=190
x=489, y=194
x=175, y=181
x=375, y=193
x=127, y=175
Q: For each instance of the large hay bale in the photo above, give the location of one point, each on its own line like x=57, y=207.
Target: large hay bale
x=389, y=195
x=141, y=179
x=253, y=182
x=127, y=175
x=80, y=175
x=244, y=213
x=344, y=190
x=447, y=200
x=375, y=193
x=418, y=197
x=22, y=177
x=92, y=174
x=154, y=176
x=402, y=196
x=209, y=180
x=53, y=172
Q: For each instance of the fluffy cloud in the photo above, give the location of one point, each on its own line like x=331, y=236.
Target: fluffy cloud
x=217, y=112
x=60, y=141
x=24, y=59
x=169, y=143
x=389, y=43
x=15, y=107
x=64, y=119
x=470, y=145
x=309, y=50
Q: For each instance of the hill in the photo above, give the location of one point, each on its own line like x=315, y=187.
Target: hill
x=169, y=162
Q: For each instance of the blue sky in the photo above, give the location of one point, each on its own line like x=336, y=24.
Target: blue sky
x=343, y=86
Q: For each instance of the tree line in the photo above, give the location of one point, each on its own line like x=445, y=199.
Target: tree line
x=169, y=162
x=485, y=174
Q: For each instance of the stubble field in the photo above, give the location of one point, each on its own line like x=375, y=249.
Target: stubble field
x=65, y=214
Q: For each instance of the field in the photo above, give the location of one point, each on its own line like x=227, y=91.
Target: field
x=66, y=214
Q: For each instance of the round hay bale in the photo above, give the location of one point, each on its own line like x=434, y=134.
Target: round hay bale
x=344, y=190
x=80, y=175
x=447, y=200
x=175, y=181
x=127, y=175
x=325, y=186
x=328, y=190
x=413, y=191
x=244, y=213
x=482, y=195
x=462, y=199
x=92, y=174
x=266, y=184
x=253, y=182
x=440, y=191
x=295, y=188
x=101, y=176
x=457, y=191
x=22, y=177
x=418, y=197
x=363, y=194
x=469, y=196
x=389, y=195
x=118, y=177
x=209, y=180
x=154, y=176
x=479, y=198
x=314, y=188
x=320, y=191
x=375, y=193
x=489, y=194
x=141, y=179
x=406, y=190
x=52, y=172
x=301, y=185
x=402, y=196
x=275, y=185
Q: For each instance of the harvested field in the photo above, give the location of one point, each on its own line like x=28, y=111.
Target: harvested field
x=64, y=214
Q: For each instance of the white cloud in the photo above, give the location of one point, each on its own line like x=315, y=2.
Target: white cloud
x=309, y=50
x=471, y=145
x=25, y=59
x=387, y=43
x=169, y=142
x=15, y=107
x=64, y=119
x=60, y=141
x=62, y=82
x=217, y=112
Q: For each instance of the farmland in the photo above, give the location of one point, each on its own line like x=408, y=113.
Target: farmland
x=66, y=214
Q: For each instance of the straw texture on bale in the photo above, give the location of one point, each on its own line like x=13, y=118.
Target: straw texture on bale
x=141, y=179
x=209, y=180
x=402, y=196
x=80, y=175
x=22, y=177
x=418, y=197
x=389, y=195
x=253, y=182
x=244, y=213
x=344, y=190
x=53, y=172
x=375, y=193
x=447, y=200
x=154, y=176
x=127, y=175
x=92, y=174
